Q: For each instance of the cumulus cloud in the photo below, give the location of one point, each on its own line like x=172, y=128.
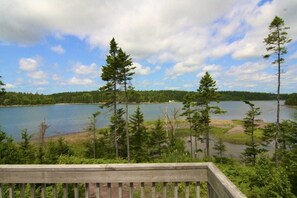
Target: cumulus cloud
x=247, y=68
x=28, y=64
x=142, y=70
x=36, y=74
x=79, y=81
x=10, y=86
x=58, y=49
x=81, y=69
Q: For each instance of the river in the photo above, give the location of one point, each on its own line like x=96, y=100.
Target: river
x=68, y=118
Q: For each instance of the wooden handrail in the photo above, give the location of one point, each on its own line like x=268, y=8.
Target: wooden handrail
x=218, y=183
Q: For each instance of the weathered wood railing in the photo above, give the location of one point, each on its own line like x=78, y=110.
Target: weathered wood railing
x=109, y=176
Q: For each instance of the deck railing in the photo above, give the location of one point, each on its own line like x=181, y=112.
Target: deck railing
x=152, y=180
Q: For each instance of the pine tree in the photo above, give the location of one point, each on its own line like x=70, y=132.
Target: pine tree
x=139, y=137
x=92, y=128
x=2, y=89
x=26, y=149
x=158, y=140
x=220, y=147
x=126, y=72
x=252, y=150
x=276, y=46
x=206, y=93
x=188, y=112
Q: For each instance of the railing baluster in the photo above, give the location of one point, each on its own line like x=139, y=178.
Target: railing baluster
x=187, y=190
x=22, y=193
x=164, y=189
x=86, y=190
x=54, y=190
x=131, y=190
x=175, y=189
x=65, y=190
x=1, y=191
x=197, y=189
x=98, y=190
x=43, y=193
x=11, y=190
x=76, y=192
x=153, y=190
x=32, y=190
x=120, y=189
x=109, y=190
x=142, y=189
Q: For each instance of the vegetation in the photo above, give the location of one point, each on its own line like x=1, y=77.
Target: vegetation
x=276, y=42
x=88, y=97
x=252, y=149
x=292, y=99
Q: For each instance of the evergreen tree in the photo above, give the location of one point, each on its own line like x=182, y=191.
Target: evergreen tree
x=206, y=93
x=126, y=72
x=188, y=112
x=252, y=150
x=2, y=89
x=55, y=149
x=92, y=128
x=9, y=151
x=220, y=147
x=139, y=137
x=276, y=46
x=110, y=74
x=26, y=149
x=158, y=139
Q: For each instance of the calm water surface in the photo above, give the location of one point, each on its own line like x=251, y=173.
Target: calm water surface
x=74, y=117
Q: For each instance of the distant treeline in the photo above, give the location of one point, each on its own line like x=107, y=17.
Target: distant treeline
x=292, y=99
x=14, y=98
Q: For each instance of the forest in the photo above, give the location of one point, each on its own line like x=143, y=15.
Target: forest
x=152, y=96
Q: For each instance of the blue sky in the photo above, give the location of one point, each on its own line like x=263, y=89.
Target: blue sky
x=55, y=46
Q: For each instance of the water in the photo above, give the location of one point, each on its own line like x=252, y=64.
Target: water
x=70, y=118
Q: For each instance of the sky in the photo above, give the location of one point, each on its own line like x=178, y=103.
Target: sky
x=53, y=46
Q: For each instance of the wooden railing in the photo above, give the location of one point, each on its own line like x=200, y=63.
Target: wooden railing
x=107, y=180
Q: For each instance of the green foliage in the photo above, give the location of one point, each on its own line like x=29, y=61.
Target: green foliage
x=26, y=149
x=139, y=137
x=64, y=159
x=292, y=99
x=220, y=147
x=9, y=150
x=158, y=142
x=2, y=89
x=54, y=149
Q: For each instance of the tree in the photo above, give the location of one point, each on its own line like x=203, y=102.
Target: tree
x=26, y=149
x=92, y=128
x=220, y=147
x=158, y=140
x=55, y=149
x=139, y=137
x=110, y=74
x=276, y=46
x=2, y=89
x=126, y=72
x=9, y=151
x=206, y=93
x=252, y=150
x=188, y=112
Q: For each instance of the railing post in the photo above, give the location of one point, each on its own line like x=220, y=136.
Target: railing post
x=142, y=189
x=43, y=193
x=32, y=190
x=120, y=189
x=11, y=190
x=76, y=192
x=175, y=189
x=1, y=191
x=131, y=190
x=197, y=189
x=65, y=190
x=97, y=190
x=153, y=190
x=164, y=189
x=55, y=191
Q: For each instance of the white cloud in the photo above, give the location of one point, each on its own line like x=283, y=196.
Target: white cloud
x=81, y=69
x=141, y=70
x=28, y=64
x=247, y=68
x=10, y=86
x=79, y=81
x=40, y=82
x=58, y=49
x=37, y=74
